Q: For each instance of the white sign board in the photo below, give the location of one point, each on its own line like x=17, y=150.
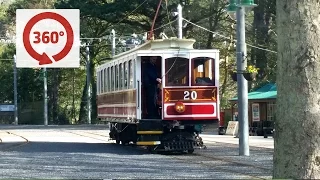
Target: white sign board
x=255, y=112
x=47, y=38
x=232, y=128
x=6, y=108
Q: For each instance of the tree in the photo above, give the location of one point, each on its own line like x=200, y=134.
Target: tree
x=263, y=24
x=297, y=137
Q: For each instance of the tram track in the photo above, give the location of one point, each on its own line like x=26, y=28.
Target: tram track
x=105, y=140
x=15, y=145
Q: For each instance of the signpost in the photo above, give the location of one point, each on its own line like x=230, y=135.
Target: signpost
x=15, y=94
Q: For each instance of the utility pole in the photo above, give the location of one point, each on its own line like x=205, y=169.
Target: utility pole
x=242, y=83
x=113, y=42
x=88, y=85
x=179, y=21
x=45, y=96
x=15, y=90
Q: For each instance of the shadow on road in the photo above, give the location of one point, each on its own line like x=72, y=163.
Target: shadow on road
x=70, y=127
x=72, y=147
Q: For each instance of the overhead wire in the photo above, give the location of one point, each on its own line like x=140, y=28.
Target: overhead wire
x=169, y=17
x=216, y=33
x=131, y=12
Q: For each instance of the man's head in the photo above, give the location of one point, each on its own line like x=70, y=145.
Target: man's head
x=153, y=59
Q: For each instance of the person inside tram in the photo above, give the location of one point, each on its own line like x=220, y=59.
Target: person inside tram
x=151, y=81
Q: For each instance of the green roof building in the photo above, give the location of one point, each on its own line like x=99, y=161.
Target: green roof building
x=261, y=104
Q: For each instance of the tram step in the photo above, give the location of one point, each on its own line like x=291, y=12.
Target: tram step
x=149, y=125
x=148, y=143
x=149, y=132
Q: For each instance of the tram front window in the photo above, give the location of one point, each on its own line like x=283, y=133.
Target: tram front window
x=203, y=71
x=177, y=71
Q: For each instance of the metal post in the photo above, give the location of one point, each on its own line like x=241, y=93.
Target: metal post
x=88, y=86
x=242, y=84
x=179, y=21
x=15, y=90
x=45, y=96
x=113, y=42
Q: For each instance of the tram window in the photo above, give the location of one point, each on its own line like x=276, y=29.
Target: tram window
x=177, y=70
x=109, y=79
x=117, y=77
x=125, y=75
x=130, y=74
x=98, y=82
x=101, y=81
x=112, y=78
x=203, y=71
x=120, y=76
x=105, y=80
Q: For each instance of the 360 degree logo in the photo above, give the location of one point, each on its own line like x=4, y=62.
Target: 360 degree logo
x=47, y=37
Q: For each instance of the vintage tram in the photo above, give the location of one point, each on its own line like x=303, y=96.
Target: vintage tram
x=188, y=95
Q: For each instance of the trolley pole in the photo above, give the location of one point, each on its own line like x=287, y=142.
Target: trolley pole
x=45, y=96
x=113, y=42
x=88, y=85
x=242, y=84
x=15, y=90
x=179, y=21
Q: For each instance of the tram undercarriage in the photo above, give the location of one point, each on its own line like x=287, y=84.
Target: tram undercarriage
x=158, y=136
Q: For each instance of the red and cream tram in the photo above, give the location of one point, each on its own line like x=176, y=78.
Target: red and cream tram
x=188, y=95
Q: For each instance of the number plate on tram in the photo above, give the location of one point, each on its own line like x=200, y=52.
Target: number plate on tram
x=171, y=95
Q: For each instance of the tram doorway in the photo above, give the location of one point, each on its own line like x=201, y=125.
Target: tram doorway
x=144, y=65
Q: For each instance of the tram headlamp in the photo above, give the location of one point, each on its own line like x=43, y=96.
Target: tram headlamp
x=180, y=107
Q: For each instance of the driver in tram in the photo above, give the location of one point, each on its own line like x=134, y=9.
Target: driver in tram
x=151, y=81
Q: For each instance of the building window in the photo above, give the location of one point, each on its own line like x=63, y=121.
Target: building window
x=271, y=111
x=177, y=70
x=203, y=71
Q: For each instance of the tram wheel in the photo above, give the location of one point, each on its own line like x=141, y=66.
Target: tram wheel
x=190, y=151
x=117, y=141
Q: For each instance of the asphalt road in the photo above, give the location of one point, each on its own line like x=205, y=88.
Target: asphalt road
x=84, y=152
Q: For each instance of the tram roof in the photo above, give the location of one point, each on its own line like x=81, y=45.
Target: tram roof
x=163, y=44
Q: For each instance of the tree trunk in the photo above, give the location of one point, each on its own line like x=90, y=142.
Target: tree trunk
x=93, y=94
x=297, y=137
x=73, y=97
x=82, y=112
x=55, y=96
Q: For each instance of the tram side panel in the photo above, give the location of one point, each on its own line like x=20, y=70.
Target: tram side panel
x=119, y=109
x=117, y=106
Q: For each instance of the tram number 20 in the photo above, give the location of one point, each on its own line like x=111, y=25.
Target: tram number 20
x=190, y=95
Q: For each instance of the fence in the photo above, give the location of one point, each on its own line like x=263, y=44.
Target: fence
x=28, y=113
